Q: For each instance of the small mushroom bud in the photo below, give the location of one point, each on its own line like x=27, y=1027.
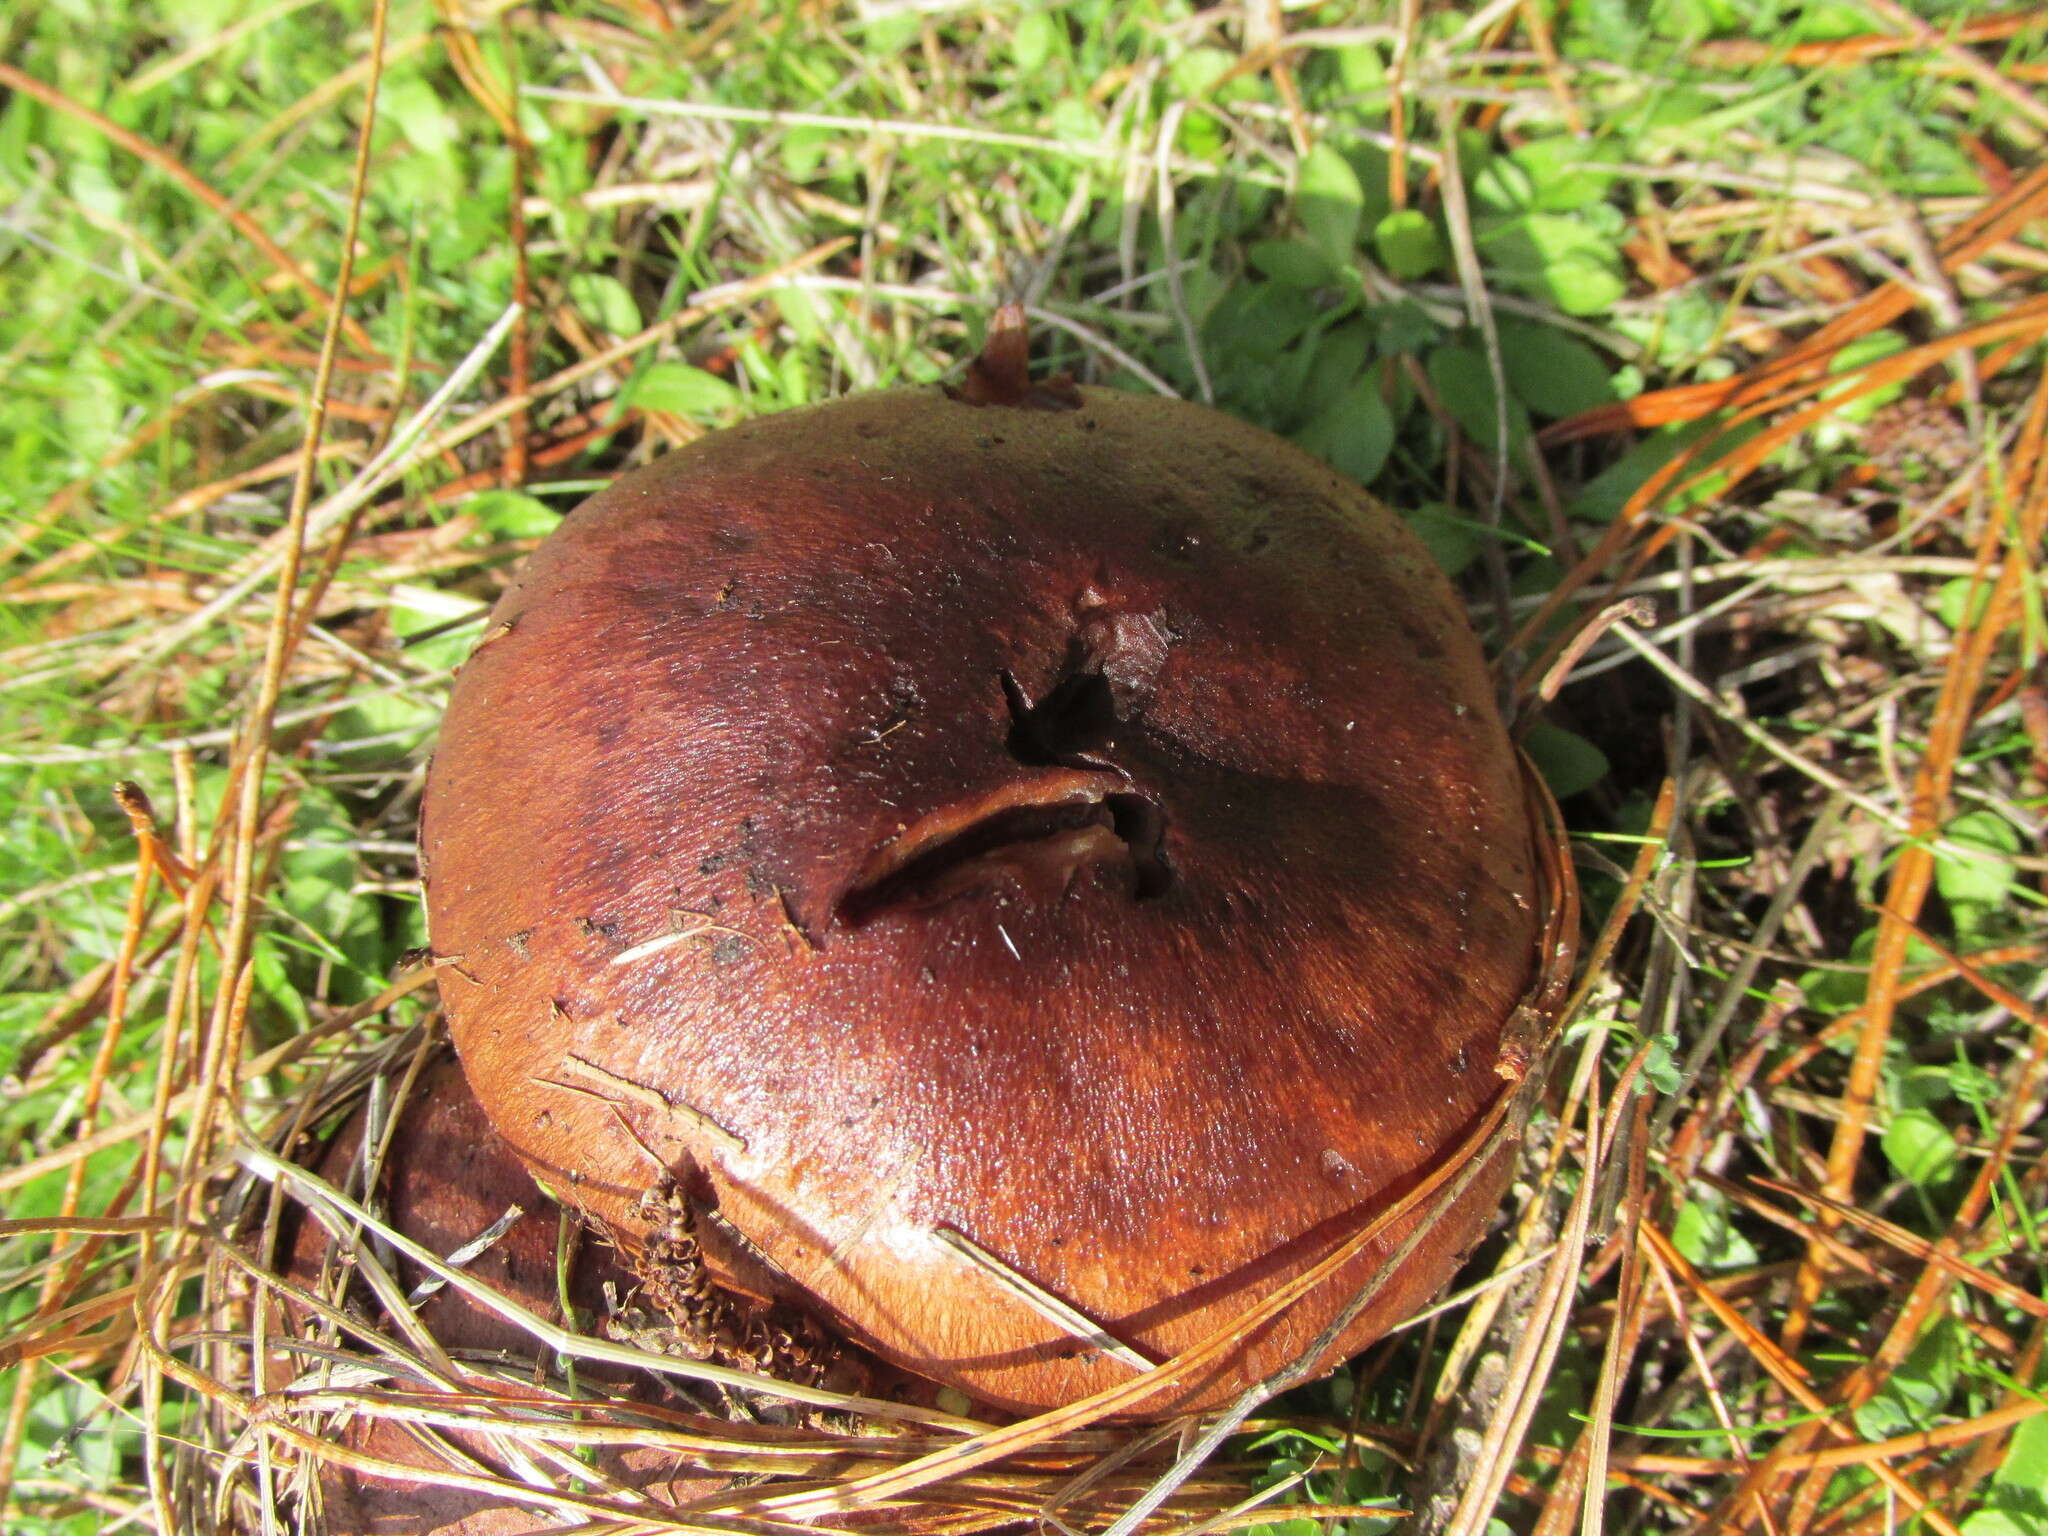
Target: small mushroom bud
x=448, y=1183
x=1040, y=866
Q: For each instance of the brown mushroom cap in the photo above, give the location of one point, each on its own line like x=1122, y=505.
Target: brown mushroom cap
x=446, y=1179
x=1078, y=824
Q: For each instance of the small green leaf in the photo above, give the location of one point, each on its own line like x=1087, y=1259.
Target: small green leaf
x=273, y=980
x=1923, y=1087
x=1568, y=762
x=1919, y=1147
x=94, y=187
x=1464, y=383
x=1683, y=108
x=891, y=33
x=1074, y=121
x=1361, y=68
x=1256, y=322
x=1977, y=879
x=89, y=406
x=200, y=18
x=801, y=312
x=1355, y=434
x=1552, y=373
x=1915, y=1393
x=2026, y=1459
x=683, y=390
x=1339, y=355
x=1580, y=284
x=1453, y=540
x=1297, y=263
x=1536, y=578
x=1601, y=499
x=1371, y=164
x=1826, y=21
x=434, y=636
x=1873, y=348
x=1032, y=44
x=793, y=377
x=414, y=107
x=602, y=298
x=804, y=150
x=2002, y=1522
x=1660, y=1064
x=1329, y=203
x=1565, y=258
x=1555, y=168
x=1504, y=184
x=1403, y=326
x=1195, y=70
x=1706, y=1236
x=512, y=515
x=1407, y=244
x=1201, y=137
x=1963, y=600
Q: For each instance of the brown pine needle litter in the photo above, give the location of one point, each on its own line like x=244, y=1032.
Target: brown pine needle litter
x=1708, y=349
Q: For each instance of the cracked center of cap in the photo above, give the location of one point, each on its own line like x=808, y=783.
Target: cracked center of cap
x=1044, y=830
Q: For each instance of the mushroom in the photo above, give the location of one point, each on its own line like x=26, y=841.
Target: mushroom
x=446, y=1182
x=1038, y=868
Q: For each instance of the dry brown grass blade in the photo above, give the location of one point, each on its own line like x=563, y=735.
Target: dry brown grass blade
x=1913, y=875
x=722, y=1509
x=1789, y=1375
x=221, y=1083
x=245, y=225
x=2021, y=1394
x=1984, y=1426
x=1940, y=975
x=182, y=1101
x=85, y=1002
x=197, y=926
x=322, y=1449
x=1937, y=1276
x=1681, y=1314
x=60, y=506
x=1536, y=21
x=1942, y=1254
x=62, y=1277
x=2000, y=220
x=1691, y=468
x=79, y=1226
x=333, y=88
x=247, y=576
x=1936, y=41
x=26, y=584
x=1844, y=1254
x=1581, y=1485
x=1536, y=1348
x=1684, y=1152
x=1397, y=103
x=1911, y=878
x=1964, y=970
x=62, y=1331
x=501, y=106
x=1450, y=1386
x=1843, y=52
x=1655, y=843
